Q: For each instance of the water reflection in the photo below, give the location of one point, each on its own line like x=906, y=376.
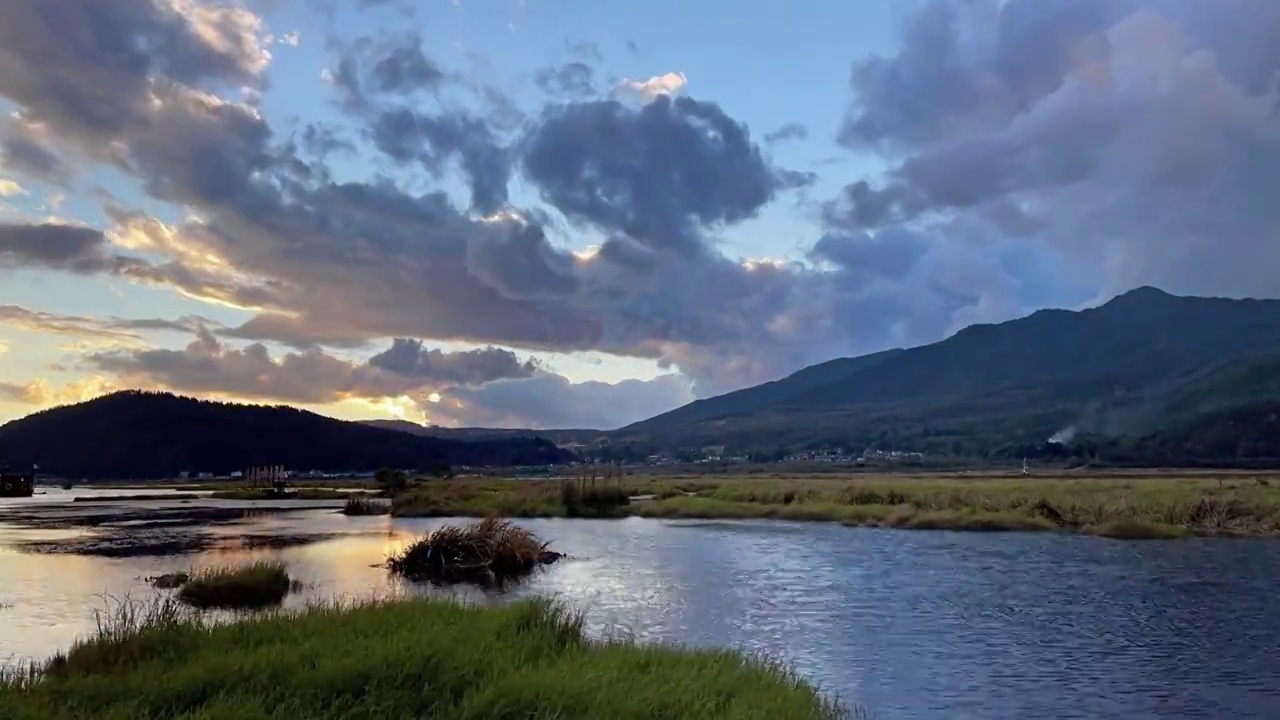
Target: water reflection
x=912, y=625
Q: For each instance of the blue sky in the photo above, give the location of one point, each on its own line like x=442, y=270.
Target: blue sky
x=948, y=163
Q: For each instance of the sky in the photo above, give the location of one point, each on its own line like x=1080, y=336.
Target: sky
x=561, y=213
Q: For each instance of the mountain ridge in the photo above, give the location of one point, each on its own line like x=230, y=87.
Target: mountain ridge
x=143, y=435
x=1023, y=377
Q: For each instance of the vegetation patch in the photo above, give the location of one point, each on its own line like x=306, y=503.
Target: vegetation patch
x=1207, y=503
x=397, y=659
x=244, y=587
x=490, y=553
x=592, y=496
x=1133, y=530
x=279, y=494
x=361, y=505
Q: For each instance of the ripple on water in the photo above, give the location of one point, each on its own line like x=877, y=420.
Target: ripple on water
x=910, y=624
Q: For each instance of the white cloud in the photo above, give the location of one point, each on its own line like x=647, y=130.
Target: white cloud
x=9, y=188
x=671, y=83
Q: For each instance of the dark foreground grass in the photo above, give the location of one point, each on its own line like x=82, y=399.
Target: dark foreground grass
x=1146, y=506
x=244, y=587
x=398, y=659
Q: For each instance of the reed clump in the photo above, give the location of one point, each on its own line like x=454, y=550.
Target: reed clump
x=490, y=553
x=361, y=505
x=592, y=494
x=244, y=587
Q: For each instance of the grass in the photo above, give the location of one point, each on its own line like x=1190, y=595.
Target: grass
x=361, y=505
x=247, y=493
x=245, y=587
x=1115, y=505
x=489, y=553
x=396, y=659
x=588, y=497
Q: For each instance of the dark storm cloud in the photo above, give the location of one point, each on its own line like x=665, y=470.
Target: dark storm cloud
x=572, y=80
x=50, y=245
x=86, y=66
x=664, y=173
x=470, y=367
x=434, y=140
x=22, y=153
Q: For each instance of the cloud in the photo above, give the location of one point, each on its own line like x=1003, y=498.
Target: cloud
x=22, y=151
x=108, y=329
x=790, y=131
x=9, y=188
x=42, y=393
x=573, y=80
x=469, y=367
x=54, y=245
x=1127, y=138
x=664, y=174
x=669, y=84
x=207, y=366
x=550, y=401
x=1036, y=151
x=485, y=386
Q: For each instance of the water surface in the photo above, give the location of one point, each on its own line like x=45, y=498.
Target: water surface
x=908, y=624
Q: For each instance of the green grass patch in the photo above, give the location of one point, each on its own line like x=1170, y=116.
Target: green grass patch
x=399, y=659
x=244, y=587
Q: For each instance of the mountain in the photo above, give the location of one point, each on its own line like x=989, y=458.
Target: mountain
x=1133, y=365
x=559, y=437
x=136, y=434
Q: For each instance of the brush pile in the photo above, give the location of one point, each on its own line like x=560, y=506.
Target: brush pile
x=490, y=553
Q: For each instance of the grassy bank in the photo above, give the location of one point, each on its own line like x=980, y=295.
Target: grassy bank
x=1119, y=506
x=409, y=658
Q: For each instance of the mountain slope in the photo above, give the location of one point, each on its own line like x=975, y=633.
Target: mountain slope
x=1119, y=367
x=559, y=437
x=149, y=435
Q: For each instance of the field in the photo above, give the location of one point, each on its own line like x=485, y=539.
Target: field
x=1136, y=505
x=395, y=659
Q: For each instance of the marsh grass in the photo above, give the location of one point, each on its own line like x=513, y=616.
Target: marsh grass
x=244, y=587
x=490, y=553
x=307, y=493
x=589, y=496
x=396, y=658
x=361, y=505
x=1205, y=504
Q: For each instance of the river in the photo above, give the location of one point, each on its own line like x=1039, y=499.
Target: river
x=910, y=625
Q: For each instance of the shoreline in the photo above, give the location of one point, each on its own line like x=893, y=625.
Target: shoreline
x=1120, y=507
x=396, y=658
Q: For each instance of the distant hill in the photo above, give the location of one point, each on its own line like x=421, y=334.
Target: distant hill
x=141, y=435
x=559, y=437
x=1137, y=364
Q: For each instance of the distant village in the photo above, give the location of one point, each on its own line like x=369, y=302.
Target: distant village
x=591, y=453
